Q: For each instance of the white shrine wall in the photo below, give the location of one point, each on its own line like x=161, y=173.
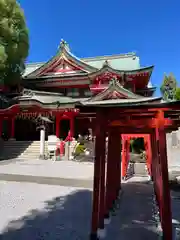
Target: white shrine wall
x=173, y=149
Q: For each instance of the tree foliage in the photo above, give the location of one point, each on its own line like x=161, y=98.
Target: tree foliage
x=14, y=42
x=168, y=88
x=177, y=95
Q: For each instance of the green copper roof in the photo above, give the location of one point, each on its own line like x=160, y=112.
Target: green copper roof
x=121, y=102
x=32, y=67
x=128, y=62
x=118, y=62
x=122, y=62
x=45, y=98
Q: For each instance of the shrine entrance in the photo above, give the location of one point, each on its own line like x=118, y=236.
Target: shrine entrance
x=146, y=154
x=65, y=127
x=6, y=128
x=25, y=130
x=82, y=126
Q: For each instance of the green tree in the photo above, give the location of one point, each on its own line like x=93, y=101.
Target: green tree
x=168, y=87
x=14, y=42
x=177, y=94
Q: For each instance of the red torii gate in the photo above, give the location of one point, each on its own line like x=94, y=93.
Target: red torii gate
x=126, y=149
x=153, y=119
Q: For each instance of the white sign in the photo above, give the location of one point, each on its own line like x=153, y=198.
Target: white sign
x=52, y=143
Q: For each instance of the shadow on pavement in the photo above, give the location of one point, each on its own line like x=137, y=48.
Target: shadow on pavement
x=175, y=203
x=134, y=218
x=69, y=218
x=66, y=218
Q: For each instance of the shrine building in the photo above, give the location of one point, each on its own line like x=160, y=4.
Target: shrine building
x=112, y=96
x=62, y=87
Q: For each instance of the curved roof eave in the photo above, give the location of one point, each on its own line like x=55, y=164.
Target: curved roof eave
x=80, y=61
x=115, y=86
x=36, y=102
x=122, y=102
x=108, y=68
x=59, y=53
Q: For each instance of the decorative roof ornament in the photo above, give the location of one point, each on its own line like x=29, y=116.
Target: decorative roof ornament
x=114, y=82
x=27, y=92
x=106, y=63
x=64, y=45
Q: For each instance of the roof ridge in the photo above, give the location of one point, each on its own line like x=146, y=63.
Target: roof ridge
x=114, y=84
x=107, y=57
x=44, y=92
x=103, y=57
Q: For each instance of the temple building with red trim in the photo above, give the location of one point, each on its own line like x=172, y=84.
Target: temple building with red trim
x=64, y=86
x=110, y=95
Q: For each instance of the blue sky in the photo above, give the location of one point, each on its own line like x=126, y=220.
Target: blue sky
x=150, y=28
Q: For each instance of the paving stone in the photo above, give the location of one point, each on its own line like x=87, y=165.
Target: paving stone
x=134, y=218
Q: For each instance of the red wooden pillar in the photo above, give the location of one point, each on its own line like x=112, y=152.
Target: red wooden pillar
x=147, y=144
x=127, y=152
x=117, y=164
x=57, y=126
x=12, y=127
x=72, y=126
x=125, y=155
x=99, y=178
x=102, y=174
x=1, y=126
x=109, y=174
x=165, y=200
x=149, y=156
x=154, y=152
x=113, y=177
x=157, y=179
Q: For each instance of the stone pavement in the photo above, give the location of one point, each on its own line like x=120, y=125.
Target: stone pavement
x=134, y=218
x=175, y=202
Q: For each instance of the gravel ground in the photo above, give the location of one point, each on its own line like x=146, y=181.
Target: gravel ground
x=44, y=212
x=33, y=212
x=47, y=168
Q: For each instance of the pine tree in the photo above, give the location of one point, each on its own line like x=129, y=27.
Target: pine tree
x=168, y=88
x=14, y=42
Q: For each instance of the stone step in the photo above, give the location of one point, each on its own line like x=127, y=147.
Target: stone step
x=12, y=153
x=21, y=149
x=30, y=152
x=8, y=144
x=21, y=145
x=15, y=146
x=28, y=157
x=34, y=149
